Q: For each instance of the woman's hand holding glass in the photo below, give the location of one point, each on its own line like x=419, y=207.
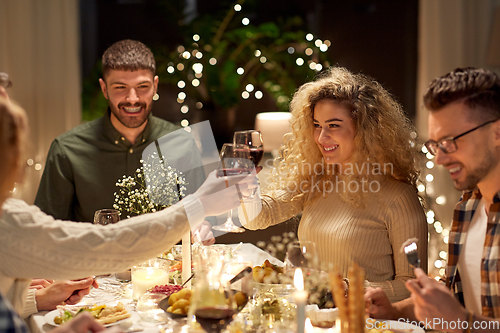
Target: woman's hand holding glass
x=234, y=160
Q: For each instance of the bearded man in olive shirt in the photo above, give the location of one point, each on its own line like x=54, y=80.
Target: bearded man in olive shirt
x=84, y=164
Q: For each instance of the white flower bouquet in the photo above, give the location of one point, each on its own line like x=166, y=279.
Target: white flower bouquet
x=154, y=186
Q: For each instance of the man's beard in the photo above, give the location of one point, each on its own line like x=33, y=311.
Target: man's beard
x=131, y=121
x=477, y=175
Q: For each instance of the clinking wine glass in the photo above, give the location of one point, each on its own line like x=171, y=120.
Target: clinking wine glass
x=213, y=304
x=252, y=139
x=234, y=160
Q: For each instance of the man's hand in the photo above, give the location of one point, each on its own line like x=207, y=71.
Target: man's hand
x=378, y=305
x=59, y=292
x=203, y=234
x=40, y=283
x=431, y=300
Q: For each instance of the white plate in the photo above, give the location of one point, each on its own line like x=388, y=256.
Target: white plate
x=49, y=317
x=397, y=326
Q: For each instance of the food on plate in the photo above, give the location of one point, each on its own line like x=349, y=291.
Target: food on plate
x=102, y=313
x=179, y=302
x=175, y=272
x=167, y=289
x=267, y=273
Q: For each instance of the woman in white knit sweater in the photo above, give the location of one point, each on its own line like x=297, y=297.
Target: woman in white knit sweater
x=36, y=245
x=349, y=167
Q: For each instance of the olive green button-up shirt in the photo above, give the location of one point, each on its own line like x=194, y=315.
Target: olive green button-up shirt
x=84, y=164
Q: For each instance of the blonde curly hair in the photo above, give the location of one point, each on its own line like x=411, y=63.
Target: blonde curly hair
x=383, y=135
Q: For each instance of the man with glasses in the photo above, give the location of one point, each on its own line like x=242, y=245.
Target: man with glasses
x=464, y=132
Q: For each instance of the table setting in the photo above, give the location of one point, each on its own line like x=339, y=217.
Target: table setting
x=111, y=291
x=270, y=296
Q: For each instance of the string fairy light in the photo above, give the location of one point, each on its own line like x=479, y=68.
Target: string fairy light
x=438, y=235
x=191, y=62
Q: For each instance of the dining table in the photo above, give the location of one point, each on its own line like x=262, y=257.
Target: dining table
x=111, y=291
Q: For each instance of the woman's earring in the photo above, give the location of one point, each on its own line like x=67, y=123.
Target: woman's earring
x=156, y=97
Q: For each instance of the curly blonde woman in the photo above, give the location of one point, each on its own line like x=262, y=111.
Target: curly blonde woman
x=349, y=167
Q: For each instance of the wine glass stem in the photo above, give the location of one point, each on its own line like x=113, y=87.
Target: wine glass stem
x=230, y=217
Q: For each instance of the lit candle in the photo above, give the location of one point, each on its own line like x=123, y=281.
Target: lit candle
x=300, y=298
x=144, y=278
x=186, y=258
x=309, y=328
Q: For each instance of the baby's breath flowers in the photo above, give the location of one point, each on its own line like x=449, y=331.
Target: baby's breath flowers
x=277, y=246
x=154, y=186
x=316, y=282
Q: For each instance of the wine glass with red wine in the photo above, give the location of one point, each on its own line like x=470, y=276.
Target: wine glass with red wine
x=252, y=139
x=234, y=160
x=213, y=304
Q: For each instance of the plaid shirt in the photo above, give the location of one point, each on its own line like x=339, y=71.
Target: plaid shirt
x=9, y=320
x=490, y=267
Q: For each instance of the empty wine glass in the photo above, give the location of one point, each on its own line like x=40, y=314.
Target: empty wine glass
x=301, y=254
x=234, y=160
x=106, y=216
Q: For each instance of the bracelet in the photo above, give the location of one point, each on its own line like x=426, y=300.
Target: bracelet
x=469, y=322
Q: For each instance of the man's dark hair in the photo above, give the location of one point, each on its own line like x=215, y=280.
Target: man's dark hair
x=478, y=89
x=128, y=55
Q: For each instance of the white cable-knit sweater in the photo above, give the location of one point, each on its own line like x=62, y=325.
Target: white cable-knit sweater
x=371, y=236
x=33, y=244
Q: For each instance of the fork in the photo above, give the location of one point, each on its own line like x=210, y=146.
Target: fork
x=410, y=249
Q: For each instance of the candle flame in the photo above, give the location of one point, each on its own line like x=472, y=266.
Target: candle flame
x=298, y=279
x=308, y=327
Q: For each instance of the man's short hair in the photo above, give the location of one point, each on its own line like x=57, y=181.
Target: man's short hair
x=128, y=55
x=478, y=88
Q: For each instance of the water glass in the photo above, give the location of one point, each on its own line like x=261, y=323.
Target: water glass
x=301, y=254
x=148, y=308
x=106, y=216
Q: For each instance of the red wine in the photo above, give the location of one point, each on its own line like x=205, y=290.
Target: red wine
x=232, y=172
x=214, y=320
x=256, y=155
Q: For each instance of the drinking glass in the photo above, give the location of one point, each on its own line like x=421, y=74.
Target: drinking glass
x=106, y=216
x=212, y=304
x=301, y=254
x=234, y=160
x=148, y=308
x=252, y=139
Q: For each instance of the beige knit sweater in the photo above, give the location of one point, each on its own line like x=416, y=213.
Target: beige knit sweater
x=33, y=244
x=370, y=236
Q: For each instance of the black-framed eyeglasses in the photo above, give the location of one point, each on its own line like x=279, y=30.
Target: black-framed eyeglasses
x=448, y=145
